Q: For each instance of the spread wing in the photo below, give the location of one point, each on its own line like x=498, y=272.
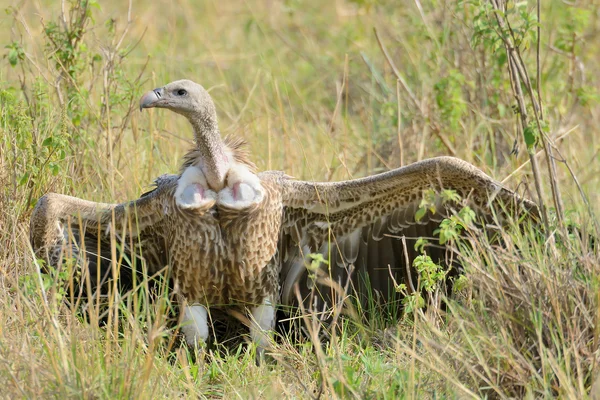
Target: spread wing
x=109, y=239
x=367, y=229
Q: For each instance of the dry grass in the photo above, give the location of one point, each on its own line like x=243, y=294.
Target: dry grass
x=308, y=86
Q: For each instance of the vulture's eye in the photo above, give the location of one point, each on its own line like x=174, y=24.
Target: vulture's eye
x=181, y=92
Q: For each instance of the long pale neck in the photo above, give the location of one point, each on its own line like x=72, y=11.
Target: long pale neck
x=215, y=162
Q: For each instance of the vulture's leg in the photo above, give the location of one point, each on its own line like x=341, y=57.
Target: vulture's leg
x=192, y=190
x=195, y=325
x=243, y=189
x=263, y=320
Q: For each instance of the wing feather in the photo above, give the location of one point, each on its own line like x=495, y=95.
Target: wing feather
x=93, y=233
x=367, y=219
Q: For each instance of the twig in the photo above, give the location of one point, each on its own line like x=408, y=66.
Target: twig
x=399, y=130
x=537, y=58
x=582, y=193
x=401, y=81
x=516, y=85
x=407, y=265
x=126, y=30
x=435, y=127
x=539, y=152
x=518, y=74
x=544, y=139
x=396, y=72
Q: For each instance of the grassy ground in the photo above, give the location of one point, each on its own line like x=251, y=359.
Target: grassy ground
x=308, y=86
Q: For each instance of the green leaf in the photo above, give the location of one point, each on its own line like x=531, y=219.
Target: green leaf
x=530, y=136
x=420, y=244
x=95, y=4
x=53, y=168
x=316, y=260
x=420, y=213
x=401, y=288
x=460, y=283
x=48, y=142
x=24, y=179
x=13, y=57
x=467, y=215
x=450, y=195
x=449, y=229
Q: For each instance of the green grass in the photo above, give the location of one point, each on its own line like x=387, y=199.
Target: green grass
x=308, y=86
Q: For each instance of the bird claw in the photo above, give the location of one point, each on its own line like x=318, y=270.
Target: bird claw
x=192, y=190
x=243, y=189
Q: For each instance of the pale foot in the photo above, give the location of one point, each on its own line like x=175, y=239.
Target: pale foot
x=194, y=325
x=262, y=321
x=243, y=189
x=192, y=190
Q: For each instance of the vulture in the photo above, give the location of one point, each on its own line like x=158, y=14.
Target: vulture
x=230, y=237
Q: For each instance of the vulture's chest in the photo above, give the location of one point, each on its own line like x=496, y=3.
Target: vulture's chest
x=223, y=257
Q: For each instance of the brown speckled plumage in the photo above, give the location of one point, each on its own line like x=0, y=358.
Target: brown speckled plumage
x=360, y=225
x=219, y=256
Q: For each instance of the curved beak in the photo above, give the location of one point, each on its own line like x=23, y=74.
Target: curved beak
x=151, y=99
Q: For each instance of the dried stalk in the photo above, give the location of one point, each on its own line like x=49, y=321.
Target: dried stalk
x=516, y=86
x=519, y=76
x=399, y=125
x=400, y=80
x=550, y=161
x=399, y=76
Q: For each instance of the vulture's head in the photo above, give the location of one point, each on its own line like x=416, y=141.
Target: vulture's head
x=184, y=97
